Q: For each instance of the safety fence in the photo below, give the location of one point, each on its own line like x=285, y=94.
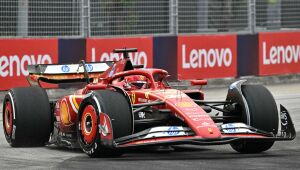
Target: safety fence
x=184, y=56
x=115, y=18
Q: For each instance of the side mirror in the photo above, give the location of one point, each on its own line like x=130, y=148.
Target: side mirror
x=198, y=82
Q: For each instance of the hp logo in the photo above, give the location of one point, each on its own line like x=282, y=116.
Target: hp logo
x=173, y=130
x=65, y=68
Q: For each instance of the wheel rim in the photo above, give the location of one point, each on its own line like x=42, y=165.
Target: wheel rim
x=8, y=118
x=89, y=124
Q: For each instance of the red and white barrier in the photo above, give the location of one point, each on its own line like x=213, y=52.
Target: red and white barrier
x=16, y=54
x=279, y=53
x=102, y=49
x=207, y=56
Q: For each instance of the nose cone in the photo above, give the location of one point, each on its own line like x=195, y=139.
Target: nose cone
x=192, y=114
x=196, y=118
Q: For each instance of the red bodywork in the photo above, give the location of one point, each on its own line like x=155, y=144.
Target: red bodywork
x=181, y=105
x=177, y=102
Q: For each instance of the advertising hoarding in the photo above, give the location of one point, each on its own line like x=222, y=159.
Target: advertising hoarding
x=207, y=56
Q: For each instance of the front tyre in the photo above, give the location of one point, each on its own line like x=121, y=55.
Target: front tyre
x=263, y=116
x=116, y=106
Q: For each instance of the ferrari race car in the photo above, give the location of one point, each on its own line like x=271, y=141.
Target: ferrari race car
x=126, y=106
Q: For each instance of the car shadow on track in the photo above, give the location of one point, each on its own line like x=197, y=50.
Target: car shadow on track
x=64, y=149
x=185, y=153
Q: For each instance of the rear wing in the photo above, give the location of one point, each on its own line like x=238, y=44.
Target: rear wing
x=64, y=73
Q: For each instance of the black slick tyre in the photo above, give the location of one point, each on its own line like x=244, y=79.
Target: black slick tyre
x=263, y=116
x=116, y=106
x=26, y=117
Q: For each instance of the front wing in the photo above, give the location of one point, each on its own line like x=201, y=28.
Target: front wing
x=176, y=135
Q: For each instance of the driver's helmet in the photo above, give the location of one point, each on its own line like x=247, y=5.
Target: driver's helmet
x=135, y=82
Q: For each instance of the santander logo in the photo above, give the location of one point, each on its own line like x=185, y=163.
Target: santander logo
x=14, y=65
x=137, y=58
x=206, y=58
x=280, y=54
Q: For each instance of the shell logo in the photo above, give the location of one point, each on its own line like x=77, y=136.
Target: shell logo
x=64, y=113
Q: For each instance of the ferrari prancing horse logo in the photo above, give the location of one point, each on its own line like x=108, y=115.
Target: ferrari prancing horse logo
x=133, y=98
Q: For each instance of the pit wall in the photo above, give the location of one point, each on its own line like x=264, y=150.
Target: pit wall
x=184, y=57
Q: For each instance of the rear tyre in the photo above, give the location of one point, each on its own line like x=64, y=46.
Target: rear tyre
x=263, y=116
x=116, y=106
x=26, y=117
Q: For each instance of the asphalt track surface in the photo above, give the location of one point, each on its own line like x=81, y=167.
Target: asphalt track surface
x=283, y=155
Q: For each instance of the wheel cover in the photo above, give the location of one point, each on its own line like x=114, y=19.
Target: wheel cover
x=8, y=118
x=89, y=124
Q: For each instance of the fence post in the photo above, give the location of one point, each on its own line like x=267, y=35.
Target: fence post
x=252, y=16
x=173, y=6
x=86, y=18
x=22, y=21
x=202, y=12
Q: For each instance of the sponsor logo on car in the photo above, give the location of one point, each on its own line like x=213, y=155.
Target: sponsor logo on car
x=65, y=113
x=147, y=95
x=208, y=126
x=235, y=128
x=283, y=118
x=185, y=104
x=205, y=123
x=65, y=68
x=191, y=110
x=230, y=128
x=173, y=130
x=142, y=115
x=173, y=96
x=196, y=119
x=133, y=97
x=210, y=130
x=142, y=100
x=192, y=115
x=89, y=67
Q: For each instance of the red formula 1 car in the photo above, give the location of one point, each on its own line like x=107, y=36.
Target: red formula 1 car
x=126, y=106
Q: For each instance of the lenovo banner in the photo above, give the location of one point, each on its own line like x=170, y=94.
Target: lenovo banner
x=16, y=54
x=279, y=53
x=207, y=56
x=102, y=50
